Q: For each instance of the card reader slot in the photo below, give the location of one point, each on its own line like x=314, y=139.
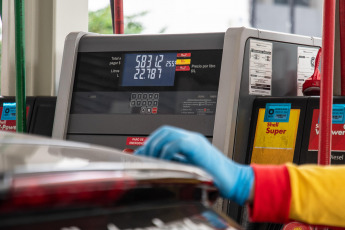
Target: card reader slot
x=141, y=125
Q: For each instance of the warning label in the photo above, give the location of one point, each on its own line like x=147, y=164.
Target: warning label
x=135, y=141
x=274, y=142
x=260, y=68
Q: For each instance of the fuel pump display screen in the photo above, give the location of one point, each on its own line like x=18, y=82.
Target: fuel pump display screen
x=150, y=69
x=147, y=83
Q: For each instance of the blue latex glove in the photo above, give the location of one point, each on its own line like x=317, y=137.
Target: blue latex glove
x=233, y=180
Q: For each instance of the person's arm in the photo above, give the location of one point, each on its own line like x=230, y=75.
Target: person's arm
x=310, y=194
x=233, y=180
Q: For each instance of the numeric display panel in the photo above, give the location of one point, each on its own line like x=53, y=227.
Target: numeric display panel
x=149, y=69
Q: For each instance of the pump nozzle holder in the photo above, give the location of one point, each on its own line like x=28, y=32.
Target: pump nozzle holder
x=311, y=86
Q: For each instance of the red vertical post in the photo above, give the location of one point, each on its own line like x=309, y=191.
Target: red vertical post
x=118, y=17
x=326, y=93
x=342, y=43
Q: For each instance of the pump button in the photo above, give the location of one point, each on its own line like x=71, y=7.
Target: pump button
x=183, y=61
x=143, y=110
x=128, y=151
x=184, y=54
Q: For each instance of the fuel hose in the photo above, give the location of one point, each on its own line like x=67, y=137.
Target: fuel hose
x=1, y=9
x=20, y=65
x=118, y=15
x=342, y=44
x=326, y=91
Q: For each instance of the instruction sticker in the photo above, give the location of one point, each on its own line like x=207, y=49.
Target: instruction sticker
x=8, y=112
x=338, y=114
x=277, y=112
x=260, y=68
x=305, y=65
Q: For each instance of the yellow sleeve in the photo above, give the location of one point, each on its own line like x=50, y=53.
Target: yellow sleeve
x=317, y=194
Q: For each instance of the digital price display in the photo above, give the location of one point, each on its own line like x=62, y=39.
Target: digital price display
x=149, y=69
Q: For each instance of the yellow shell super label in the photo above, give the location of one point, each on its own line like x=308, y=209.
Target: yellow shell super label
x=274, y=142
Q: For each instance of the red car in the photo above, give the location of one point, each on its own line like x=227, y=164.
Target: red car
x=50, y=184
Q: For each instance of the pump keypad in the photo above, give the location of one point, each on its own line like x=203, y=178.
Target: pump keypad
x=146, y=102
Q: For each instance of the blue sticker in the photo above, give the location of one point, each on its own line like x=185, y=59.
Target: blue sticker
x=277, y=112
x=338, y=114
x=8, y=112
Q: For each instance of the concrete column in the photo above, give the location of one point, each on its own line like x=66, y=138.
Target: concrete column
x=8, y=50
x=69, y=16
x=47, y=23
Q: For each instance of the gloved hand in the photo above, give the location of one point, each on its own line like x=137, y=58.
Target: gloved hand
x=233, y=180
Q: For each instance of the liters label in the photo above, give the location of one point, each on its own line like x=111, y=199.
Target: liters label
x=277, y=112
x=8, y=112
